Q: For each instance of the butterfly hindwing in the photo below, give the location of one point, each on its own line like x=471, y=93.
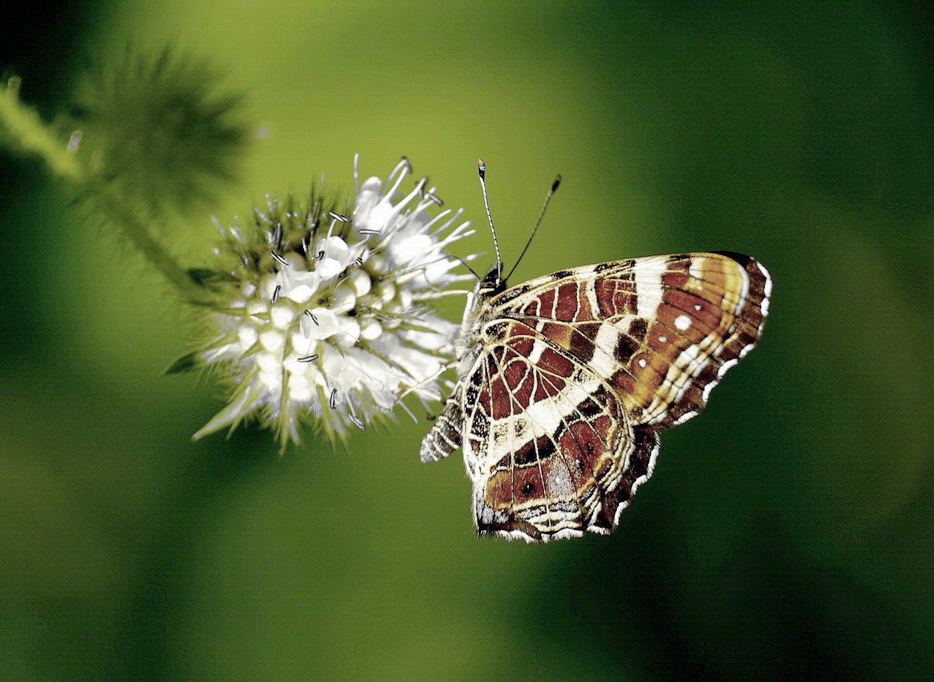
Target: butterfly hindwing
x=546, y=440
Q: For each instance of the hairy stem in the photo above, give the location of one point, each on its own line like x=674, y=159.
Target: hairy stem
x=24, y=131
x=139, y=235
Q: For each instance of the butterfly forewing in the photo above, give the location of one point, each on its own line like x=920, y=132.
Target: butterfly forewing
x=662, y=330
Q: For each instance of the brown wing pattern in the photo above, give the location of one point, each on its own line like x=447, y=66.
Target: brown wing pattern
x=546, y=442
x=662, y=330
x=579, y=369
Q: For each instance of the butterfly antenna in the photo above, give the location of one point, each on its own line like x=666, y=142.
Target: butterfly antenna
x=467, y=265
x=551, y=192
x=481, y=169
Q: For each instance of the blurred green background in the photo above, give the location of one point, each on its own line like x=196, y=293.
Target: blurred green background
x=786, y=533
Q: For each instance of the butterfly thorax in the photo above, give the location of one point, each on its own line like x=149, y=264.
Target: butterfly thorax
x=477, y=313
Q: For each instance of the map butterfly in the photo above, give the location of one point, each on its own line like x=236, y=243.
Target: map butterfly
x=564, y=381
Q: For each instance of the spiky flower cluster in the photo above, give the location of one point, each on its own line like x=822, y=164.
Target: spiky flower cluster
x=322, y=315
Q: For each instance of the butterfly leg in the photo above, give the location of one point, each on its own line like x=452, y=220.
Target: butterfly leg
x=419, y=388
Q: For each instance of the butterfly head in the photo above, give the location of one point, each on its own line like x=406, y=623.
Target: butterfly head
x=493, y=283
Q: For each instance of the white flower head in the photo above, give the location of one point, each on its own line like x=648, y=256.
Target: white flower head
x=323, y=315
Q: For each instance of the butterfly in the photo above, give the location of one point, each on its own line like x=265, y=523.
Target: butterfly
x=565, y=381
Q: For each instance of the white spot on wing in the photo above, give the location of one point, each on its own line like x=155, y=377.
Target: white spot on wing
x=725, y=367
x=707, y=389
x=767, y=288
x=559, y=484
x=682, y=322
x=590, y=290
x=652, y=459
x=648, y=294
x=537, y=349
x=563, y=534
x=741, y=303
x=603, y=363
x=684, y=417
x=768, y=279
x=620, y=508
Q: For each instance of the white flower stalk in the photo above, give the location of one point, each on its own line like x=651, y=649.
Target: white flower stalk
x=323, y=316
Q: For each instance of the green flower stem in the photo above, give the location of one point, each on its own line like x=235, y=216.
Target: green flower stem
x=140, y=236
x=27, y=132
x=23, y=130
